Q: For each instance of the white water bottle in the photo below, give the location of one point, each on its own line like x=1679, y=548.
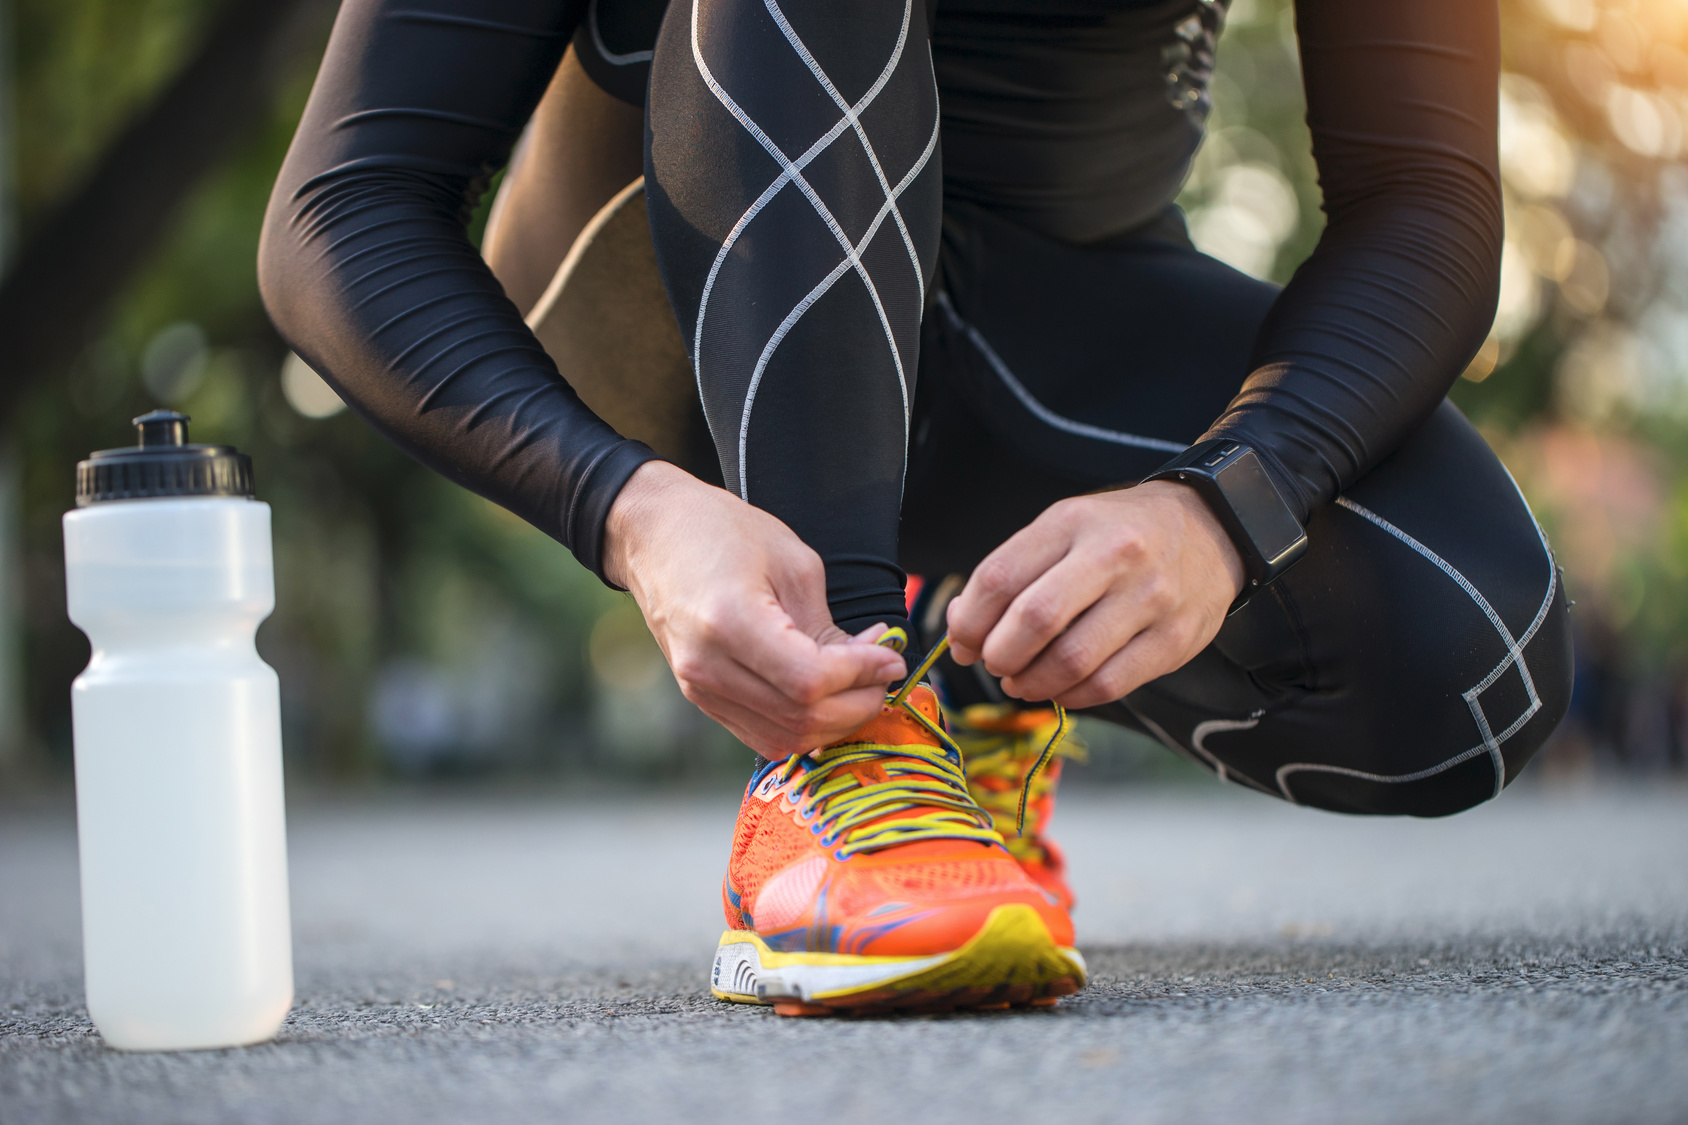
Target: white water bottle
x=185, y=930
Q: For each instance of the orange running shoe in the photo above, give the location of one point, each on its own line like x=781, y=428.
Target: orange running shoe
x=1001, y=746
x=864, y=878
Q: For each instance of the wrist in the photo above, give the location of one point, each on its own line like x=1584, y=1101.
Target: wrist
x=635, y=512
x=1201, y=522
x=1232, y=482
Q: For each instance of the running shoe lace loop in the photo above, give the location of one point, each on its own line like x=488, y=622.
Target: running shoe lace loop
x=855, y=815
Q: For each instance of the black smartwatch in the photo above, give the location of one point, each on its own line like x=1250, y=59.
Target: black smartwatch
x=1230, y=477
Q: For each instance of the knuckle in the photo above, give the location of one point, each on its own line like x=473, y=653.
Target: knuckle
x=809, y=568
x=991, y=575
x=1127, y=544
x=1070, y=660
x=809, y=732
x=807, y=688
x=1070, y=508
x=1040, y=615
x=689, y=671
x=711, y=625
x=793, y=733
x=1110, y=684
x=1158, y=593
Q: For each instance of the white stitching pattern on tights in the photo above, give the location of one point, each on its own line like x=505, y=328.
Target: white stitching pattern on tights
x=1198, y=739
x=1201, y=755
x=791, y=172
x=1043, y=414
x=814, y=295
x=1491, y=742
x=854, y=117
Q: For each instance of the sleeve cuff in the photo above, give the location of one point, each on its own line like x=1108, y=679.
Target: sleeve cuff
x=599, y=486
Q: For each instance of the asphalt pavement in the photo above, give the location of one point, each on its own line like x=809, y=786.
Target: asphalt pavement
x=542, y=957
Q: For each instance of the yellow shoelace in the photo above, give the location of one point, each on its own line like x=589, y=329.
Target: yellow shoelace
x=850, y=815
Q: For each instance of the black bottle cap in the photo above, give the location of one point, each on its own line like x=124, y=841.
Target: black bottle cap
x=163, y=464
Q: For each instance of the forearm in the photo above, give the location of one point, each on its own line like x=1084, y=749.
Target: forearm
x=367, y=270
x=395, y=308
x=1379, y=322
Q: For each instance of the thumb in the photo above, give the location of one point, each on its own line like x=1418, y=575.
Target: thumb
x=801, y=593
x=851, y=664
x=800, y=589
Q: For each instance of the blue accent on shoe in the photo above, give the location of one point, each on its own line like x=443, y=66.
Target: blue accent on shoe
x=862, y=937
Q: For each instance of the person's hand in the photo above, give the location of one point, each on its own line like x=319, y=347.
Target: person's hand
x=1099, y=595
x=738, y=604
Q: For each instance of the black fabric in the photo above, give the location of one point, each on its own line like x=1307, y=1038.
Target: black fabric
x=1074, y=118
x=1411, y=663
x=613, y=44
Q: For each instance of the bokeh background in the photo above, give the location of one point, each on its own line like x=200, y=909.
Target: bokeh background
x=422, y=633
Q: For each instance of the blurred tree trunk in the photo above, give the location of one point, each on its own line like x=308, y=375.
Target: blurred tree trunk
x=77, y=259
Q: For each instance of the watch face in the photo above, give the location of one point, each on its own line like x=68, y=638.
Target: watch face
x=1262, y=512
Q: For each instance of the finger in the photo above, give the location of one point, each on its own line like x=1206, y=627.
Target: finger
x=993, y=586
x=766, y=741
x=1042, y=611
x=775, y=742
x=760, y=659
x=1104, y=629
x=839, y=716
x=798, y=581
x=997, y=580
x=770, y=645
x=714, y=670
x=870, y=635
x=1149, y=656
x=833, y=635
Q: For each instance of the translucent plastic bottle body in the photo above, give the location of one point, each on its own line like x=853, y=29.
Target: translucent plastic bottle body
x=186, y=939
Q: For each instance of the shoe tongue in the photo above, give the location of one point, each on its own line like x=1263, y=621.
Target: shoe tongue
x=1007, y=719
x=894, y=726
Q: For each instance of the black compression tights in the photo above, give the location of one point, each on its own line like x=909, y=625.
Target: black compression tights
x=1411, y=663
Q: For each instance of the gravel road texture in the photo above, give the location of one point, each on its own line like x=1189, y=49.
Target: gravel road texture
x=542, y=958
